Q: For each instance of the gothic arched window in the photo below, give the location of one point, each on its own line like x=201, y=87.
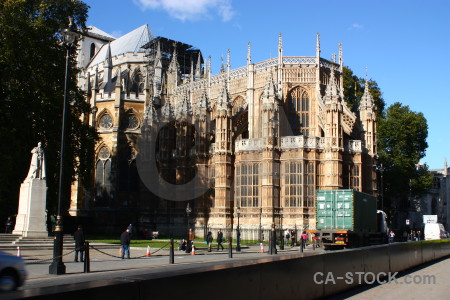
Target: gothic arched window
x=131, y=122
x=238, y=105
x=105, y=121
x=137, y=82
x=92, y=51
x=103, y=177
x=298, y=111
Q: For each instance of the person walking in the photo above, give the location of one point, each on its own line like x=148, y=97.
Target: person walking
x=391, y=237
x=78, y=236
x=293, y=236
x=304, y=239
x=219, y=239
x=287, y=236
x=209, y=240
x=8, y=225
x=125, y=243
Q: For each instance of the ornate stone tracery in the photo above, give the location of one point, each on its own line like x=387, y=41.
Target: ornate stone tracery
x=285, y=115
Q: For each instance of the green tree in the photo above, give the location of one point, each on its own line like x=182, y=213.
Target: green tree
x=354, y=89
x=402, y=143
x=32, y=68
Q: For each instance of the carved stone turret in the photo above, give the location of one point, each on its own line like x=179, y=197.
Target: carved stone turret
x=223, y=160
x=173, y=73
x=198, y=68
x=108, y=65
x=270, y=114
x=157, y=76
x=333, y=135
x=270, y=183
x=367, y=117
x=202, y=124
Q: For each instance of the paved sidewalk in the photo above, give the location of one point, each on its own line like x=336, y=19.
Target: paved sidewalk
x=106, y=263
x=429, y=281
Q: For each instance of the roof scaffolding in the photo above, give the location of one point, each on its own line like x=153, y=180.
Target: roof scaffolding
x=185, y=52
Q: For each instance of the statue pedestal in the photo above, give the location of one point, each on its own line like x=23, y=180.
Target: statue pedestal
x=32, y=218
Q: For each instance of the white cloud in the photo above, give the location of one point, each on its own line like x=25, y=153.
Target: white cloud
x=356, y=26
x=190, y=10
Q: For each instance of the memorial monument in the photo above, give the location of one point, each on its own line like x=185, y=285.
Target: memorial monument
x=31, y=217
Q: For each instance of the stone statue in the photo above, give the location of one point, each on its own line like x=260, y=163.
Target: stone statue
x=37, y=166
x=32, y=214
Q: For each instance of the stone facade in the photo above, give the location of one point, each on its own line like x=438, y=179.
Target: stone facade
x=262, y=138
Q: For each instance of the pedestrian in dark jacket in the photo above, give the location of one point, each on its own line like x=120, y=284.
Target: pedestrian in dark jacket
x=78, y=236
x=8, y=225
x=125, y=243
x=219, y=239
x=209, y=240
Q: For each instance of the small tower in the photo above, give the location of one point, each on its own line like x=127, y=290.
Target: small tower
x=198, y=68
x=222, y=161
x=368, y=118
x=368, y=136
x=157, y=77
x=108, y=65
x=202, y=142
x=280, y=67
x=173, y=73
x=270, y=114
x=333, y=135
x=184, y=139
x=270, y=183
x=318, y=81
x=202, y=124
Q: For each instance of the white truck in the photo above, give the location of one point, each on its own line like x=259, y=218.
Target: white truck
x=434, y=231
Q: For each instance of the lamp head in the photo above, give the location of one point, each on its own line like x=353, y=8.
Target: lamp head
x=70, y=34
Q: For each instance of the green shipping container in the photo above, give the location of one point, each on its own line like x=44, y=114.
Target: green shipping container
x=346, y=210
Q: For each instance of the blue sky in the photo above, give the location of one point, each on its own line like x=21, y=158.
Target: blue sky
x=404, y=44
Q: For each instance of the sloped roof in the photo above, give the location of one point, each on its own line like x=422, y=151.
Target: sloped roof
x=92, y=30
x=131, y=42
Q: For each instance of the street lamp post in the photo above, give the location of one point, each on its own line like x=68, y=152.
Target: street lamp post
x=282, y=235
x=188, y=211
x=260, y=233
x=57, y=267
x=274, y=240
x=381, y=170
x=238, y=232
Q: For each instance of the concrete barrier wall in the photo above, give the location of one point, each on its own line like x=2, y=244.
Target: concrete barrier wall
x=271, y=277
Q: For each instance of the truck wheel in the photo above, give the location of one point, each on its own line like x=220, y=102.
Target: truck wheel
x=8, y=281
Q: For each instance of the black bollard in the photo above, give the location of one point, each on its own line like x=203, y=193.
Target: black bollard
x=282, y=241
x=87, y=261
x=274, y=239
x=171, y=253
x=301, y=244
x=230, y=249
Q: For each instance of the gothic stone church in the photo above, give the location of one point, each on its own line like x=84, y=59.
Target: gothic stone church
x=258, y=141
